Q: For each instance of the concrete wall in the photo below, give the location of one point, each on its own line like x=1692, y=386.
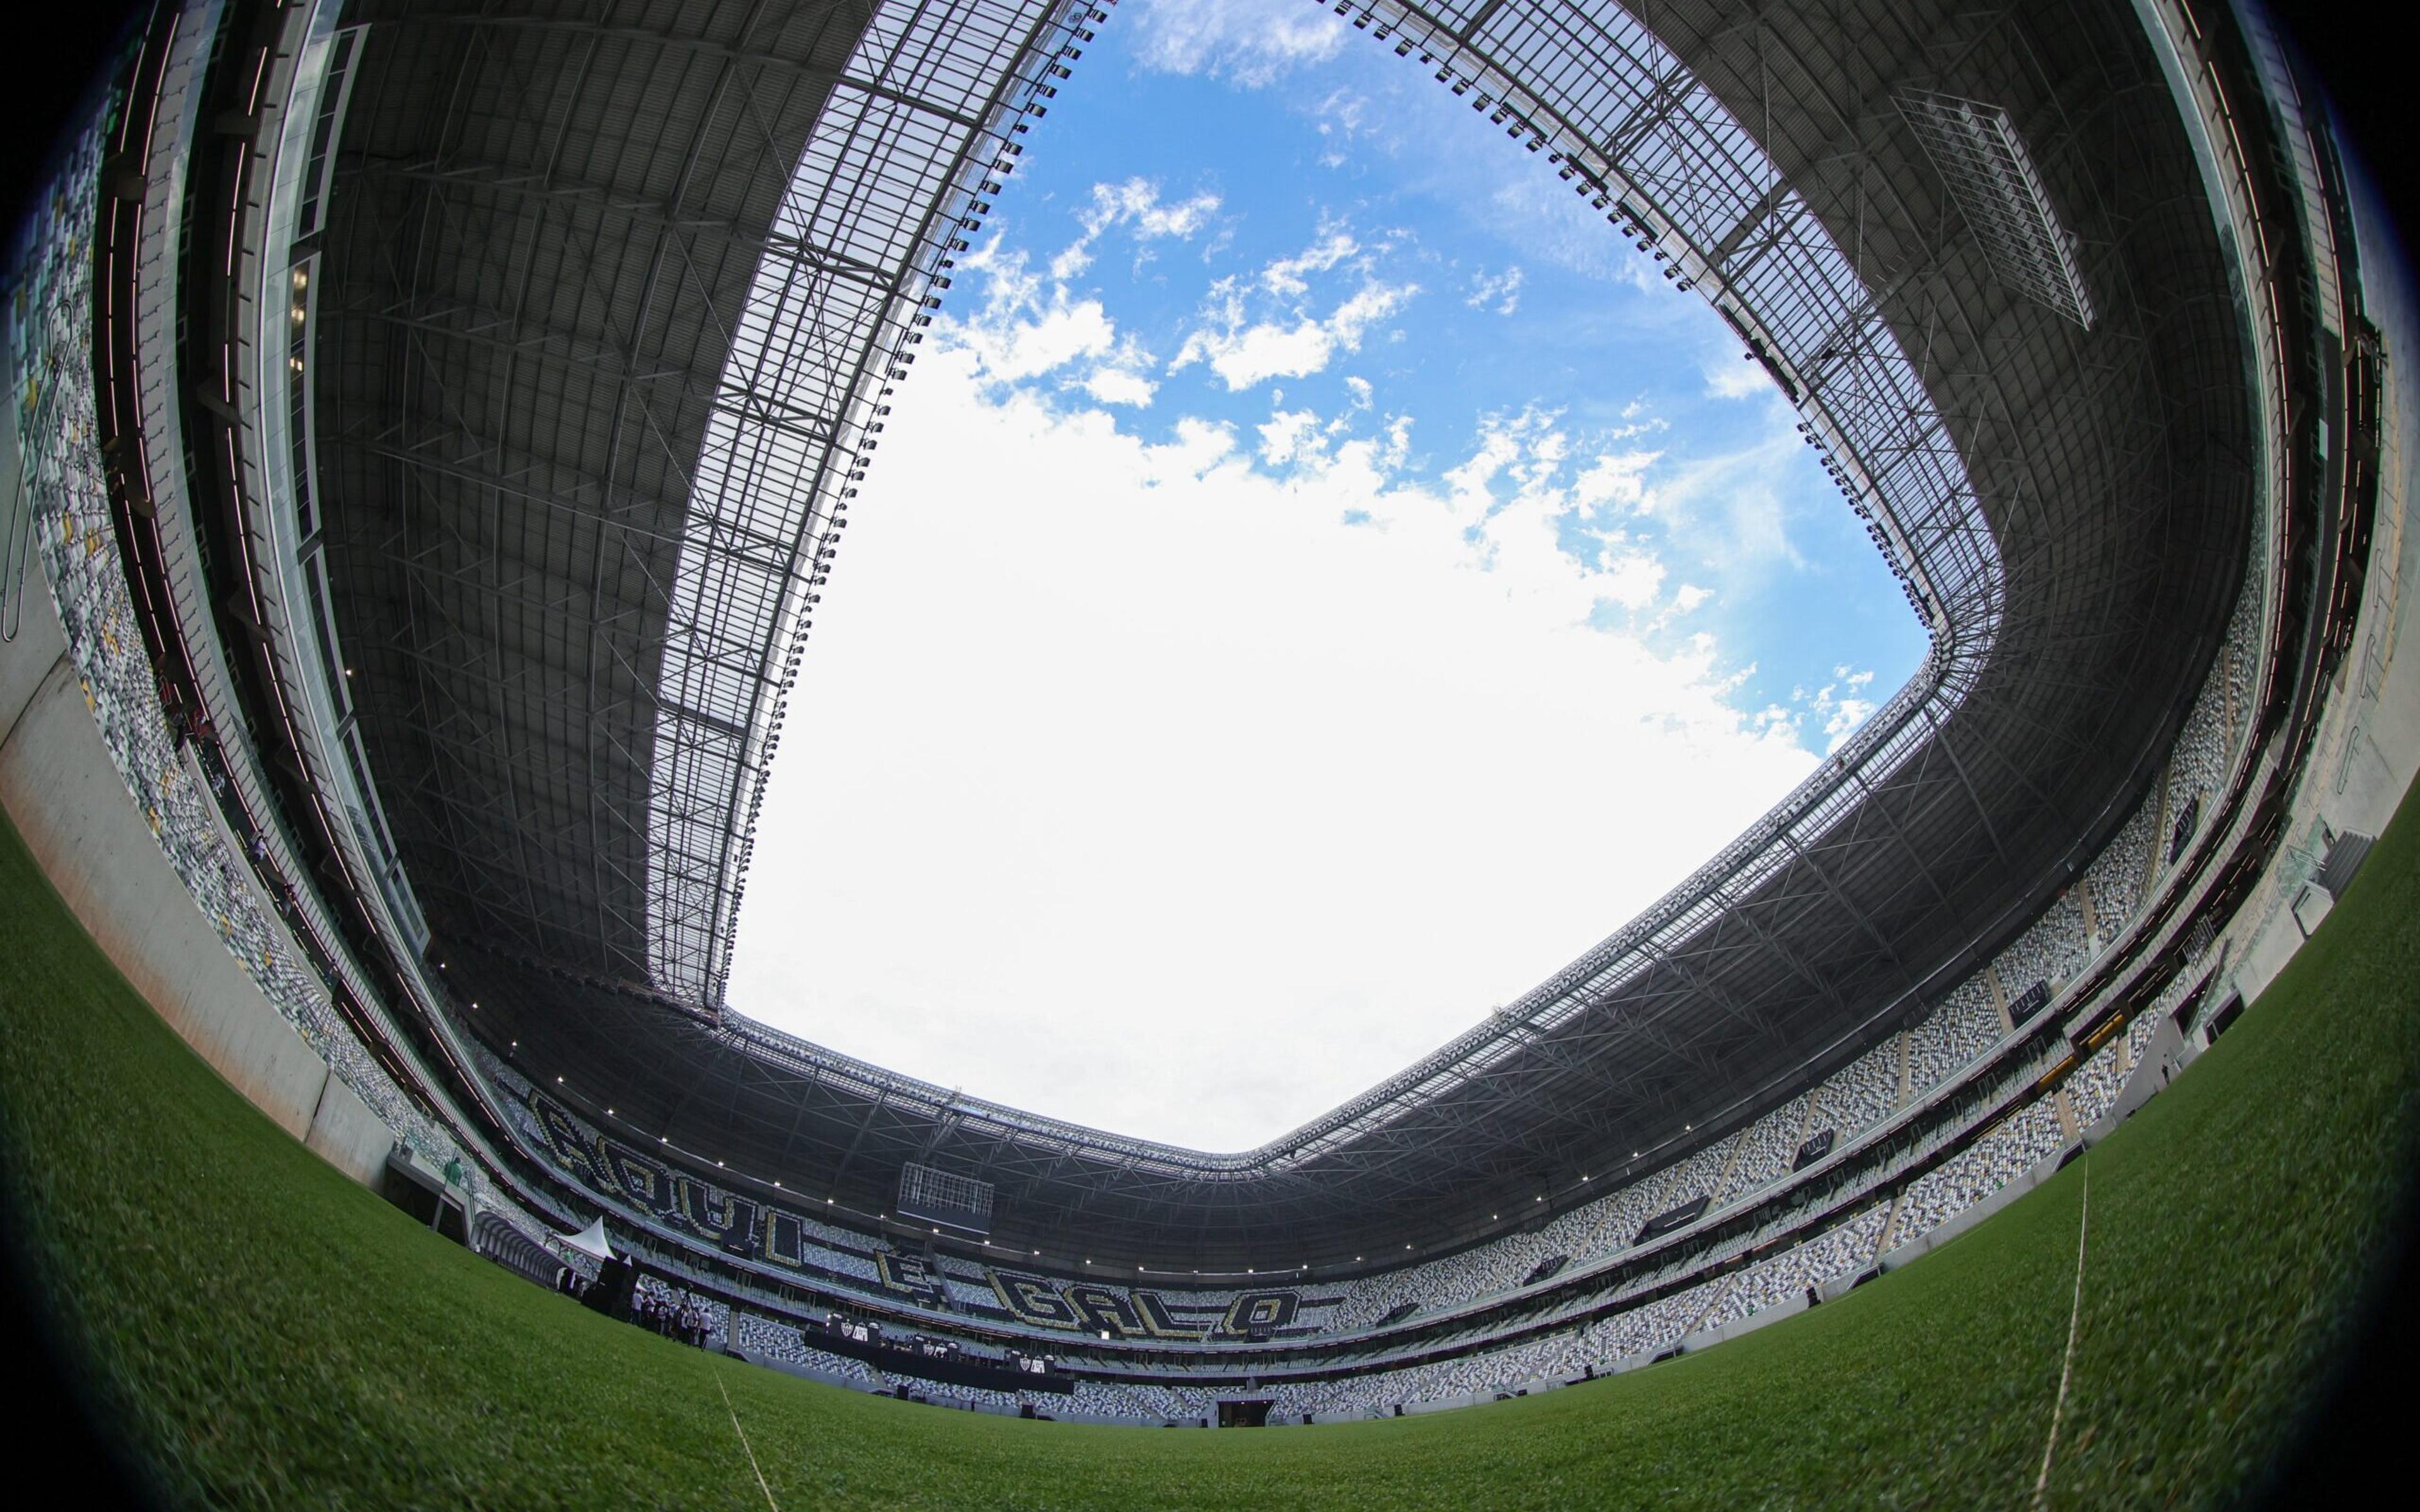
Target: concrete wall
x=347, y=1134
x=2368, y=749
x=65, y=795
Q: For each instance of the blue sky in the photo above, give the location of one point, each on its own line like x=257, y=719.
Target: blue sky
x=1321, y=581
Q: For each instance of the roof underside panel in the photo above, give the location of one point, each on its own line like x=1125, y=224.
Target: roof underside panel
x=545, y=221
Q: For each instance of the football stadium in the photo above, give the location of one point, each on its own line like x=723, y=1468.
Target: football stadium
x=435, y=427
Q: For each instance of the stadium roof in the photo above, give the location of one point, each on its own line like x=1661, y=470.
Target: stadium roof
x=606, y=313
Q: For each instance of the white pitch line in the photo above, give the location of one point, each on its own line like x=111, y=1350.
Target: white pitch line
x=743, y=1445
x=2074, y=1320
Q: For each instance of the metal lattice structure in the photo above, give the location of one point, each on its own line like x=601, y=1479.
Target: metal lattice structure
x=610, y=294
x=898, y=166
x=936, y=1195
x=1987, y=167
x=611, y=309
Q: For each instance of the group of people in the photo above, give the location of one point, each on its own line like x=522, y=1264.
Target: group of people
x=681, y=1319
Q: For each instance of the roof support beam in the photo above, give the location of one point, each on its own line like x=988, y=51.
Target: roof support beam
x=705, y=47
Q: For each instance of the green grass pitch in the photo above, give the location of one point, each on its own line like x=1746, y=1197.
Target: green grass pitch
x=271, y=1335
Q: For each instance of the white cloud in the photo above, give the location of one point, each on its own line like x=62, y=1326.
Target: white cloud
x=1288, y=435
x=1374, y=301
x=1261, y=352
x=1502, y=290
x=1633, y=578
x=1200, y=446
x=1111, y=385
x=1732, y=504
x=1845, y=718
x=1090, y=710
x=1736, y=380
x=1285, y=275
x=1026, y=327
x=1616, y=478
x=1126, y=739
x=1450, y=151
x=1135, y=205
x=1056, y=336
x=1246, y=354
x=1342, y=116
x=1249, y=42
x=1839, y=706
